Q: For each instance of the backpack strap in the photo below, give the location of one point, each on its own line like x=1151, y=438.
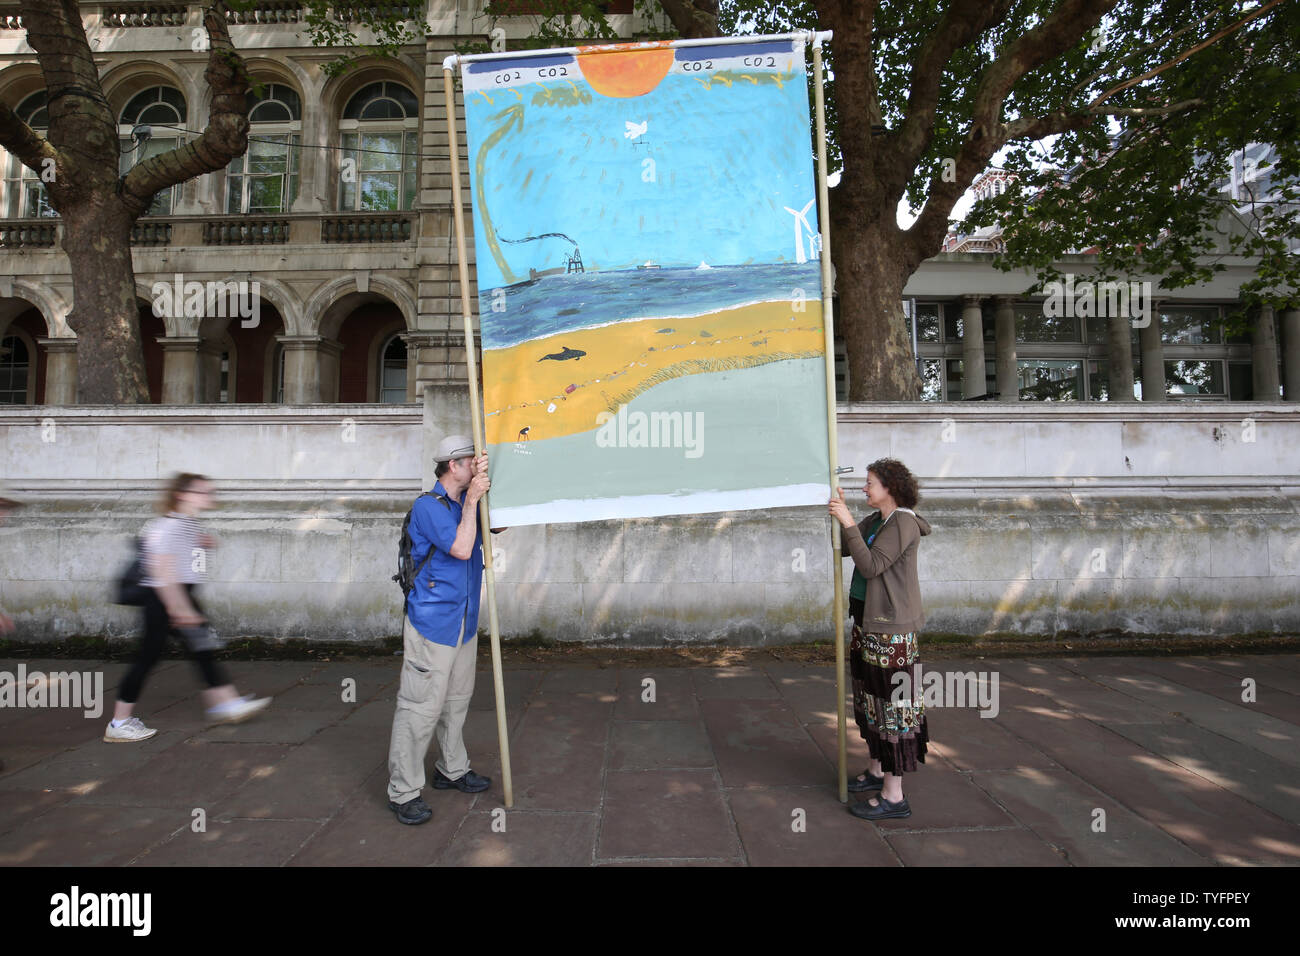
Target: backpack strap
x=432, y=547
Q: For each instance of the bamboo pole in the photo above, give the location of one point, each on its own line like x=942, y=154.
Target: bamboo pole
x=476, y=412
x=823, y=203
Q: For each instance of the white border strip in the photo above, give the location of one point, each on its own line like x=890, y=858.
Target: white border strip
x=817, y=38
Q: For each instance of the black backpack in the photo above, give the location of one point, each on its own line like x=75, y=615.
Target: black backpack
x=130, y=589
x=406, y=571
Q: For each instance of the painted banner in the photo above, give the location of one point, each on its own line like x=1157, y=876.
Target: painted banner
x=649, y=280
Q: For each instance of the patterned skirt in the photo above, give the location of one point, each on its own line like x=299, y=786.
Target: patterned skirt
x=892, y=725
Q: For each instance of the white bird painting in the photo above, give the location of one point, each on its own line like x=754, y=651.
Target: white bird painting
x=635, y=129
x=801, y=218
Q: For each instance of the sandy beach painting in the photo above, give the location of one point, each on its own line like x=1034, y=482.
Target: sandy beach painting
x=649, y=286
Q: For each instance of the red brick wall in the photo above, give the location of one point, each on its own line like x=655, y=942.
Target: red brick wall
x=357, y=335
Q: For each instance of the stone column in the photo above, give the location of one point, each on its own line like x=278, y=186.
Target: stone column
x=1153, y=358
x=60, y=370
x=180, y=385
x=313, y=164
x=208, y=389
x=1291, y=353
x=1263, y=356
x=329, y=351
x=972, y=347
x=1005, y=329
x=415, y=341
x=1120, y=356
x=302, y=385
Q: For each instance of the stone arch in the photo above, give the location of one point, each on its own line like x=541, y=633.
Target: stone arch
x=329, y=305
x=50, y=302
x=336, y=92
x=127, y=79
x=20, y=81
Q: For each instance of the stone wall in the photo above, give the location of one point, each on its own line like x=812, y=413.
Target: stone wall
x=1179, y=518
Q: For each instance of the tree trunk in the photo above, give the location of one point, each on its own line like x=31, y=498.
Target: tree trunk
x=105, y=315
x=869, y=277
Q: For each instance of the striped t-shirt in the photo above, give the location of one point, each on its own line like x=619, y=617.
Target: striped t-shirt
x=175, y=536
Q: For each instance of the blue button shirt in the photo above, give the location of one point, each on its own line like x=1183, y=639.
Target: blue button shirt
x=447, y=589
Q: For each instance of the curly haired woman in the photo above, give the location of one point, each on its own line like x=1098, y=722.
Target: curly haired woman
x=885, y=604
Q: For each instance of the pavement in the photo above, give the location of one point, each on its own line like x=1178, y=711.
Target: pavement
x=1090, y=761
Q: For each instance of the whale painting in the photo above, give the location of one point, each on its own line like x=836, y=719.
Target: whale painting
x=652, y=331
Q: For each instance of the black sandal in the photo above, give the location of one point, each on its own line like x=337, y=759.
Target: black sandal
x=869, y=785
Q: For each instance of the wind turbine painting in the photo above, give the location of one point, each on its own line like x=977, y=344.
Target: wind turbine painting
x=652, y=344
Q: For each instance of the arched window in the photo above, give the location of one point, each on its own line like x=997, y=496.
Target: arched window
x=277, y=374
x=15, y=366
x=392, y=371
x=162, y=109
x=380, y=129
x=265, y=180
x=25, y=196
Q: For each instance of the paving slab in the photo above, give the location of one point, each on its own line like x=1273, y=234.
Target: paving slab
x=312, y=781
x=1270, y=784
x=89, y=766
x=1008, y=847
x=530, y=838
x=366, y=833
x=733, y=683
x=89, y=836
x=659, y=744
x=971, y=742
x=232, y=843
x=664, y=814
x=19, y=806
x=1269, y=698
x=558, y=753
x=1062, y=810
x=760, y=743
x=191, y=774
x=1261, y=669
x=804, y=826
x=1057, y=687
x=1269, y=735
x=673, y=694
x=1203, y=816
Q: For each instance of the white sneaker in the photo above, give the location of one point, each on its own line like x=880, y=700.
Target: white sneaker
x=133, y=729
x=233, y=711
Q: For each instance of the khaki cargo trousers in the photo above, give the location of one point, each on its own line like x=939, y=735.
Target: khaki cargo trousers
x=433, y=697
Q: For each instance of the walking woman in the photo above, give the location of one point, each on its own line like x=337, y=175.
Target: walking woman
x=171, y=607
x=885, y=604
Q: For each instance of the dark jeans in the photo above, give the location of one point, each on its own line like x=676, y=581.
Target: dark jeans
x=156, y=629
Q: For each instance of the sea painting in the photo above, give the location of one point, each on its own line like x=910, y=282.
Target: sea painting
x=649, y=280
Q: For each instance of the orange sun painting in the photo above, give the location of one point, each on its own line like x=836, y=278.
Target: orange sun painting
x=626, y=72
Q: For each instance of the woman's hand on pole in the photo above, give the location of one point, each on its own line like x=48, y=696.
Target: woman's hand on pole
x=839, y=510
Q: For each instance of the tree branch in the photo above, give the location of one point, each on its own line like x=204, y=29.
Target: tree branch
x=224, y=138
x=987, y=134
x=30, y=147
x=693, y=18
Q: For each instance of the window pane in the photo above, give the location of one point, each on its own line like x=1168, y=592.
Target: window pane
x=1190, y=326
x=270, y=112
x=386, y=151
x=266, y=157
x=379, y=192
x=234, y=194
x=931, y=380
x=1050, y=380
x=1033, y=326
x=264, y=194
x=927, y=322
x=1194, y=378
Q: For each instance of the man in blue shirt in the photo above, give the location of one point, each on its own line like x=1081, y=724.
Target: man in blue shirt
x=440, y=633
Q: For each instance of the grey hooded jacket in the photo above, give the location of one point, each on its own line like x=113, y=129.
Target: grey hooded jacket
x=893, y=602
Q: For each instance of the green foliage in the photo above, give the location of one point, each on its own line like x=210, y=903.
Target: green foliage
x=338, y=25
x=1145, y=192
